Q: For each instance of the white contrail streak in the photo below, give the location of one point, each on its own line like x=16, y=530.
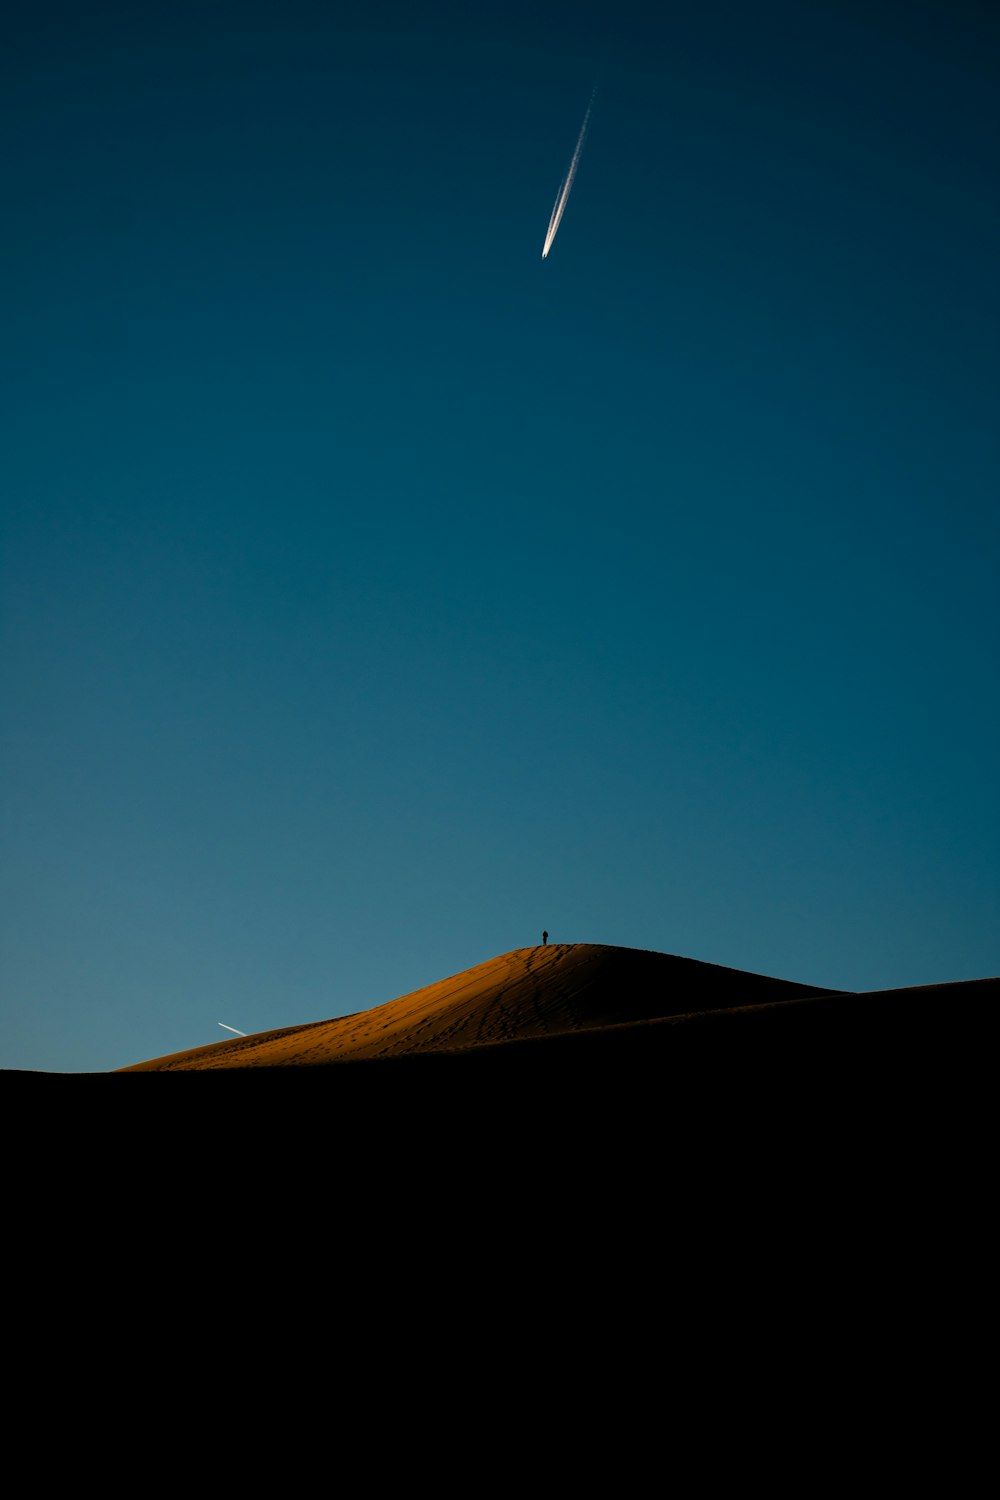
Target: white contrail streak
x=231, y=1028
x=562, y=196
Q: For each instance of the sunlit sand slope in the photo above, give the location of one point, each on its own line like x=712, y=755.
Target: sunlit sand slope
x=529, y=993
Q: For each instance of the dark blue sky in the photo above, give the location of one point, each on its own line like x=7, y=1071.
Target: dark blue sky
x=375, y=594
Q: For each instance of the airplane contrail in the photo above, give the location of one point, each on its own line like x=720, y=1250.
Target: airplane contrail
x=231, y=1028
x=563, y=194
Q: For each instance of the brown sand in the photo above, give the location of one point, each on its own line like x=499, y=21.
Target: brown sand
x=531, y=993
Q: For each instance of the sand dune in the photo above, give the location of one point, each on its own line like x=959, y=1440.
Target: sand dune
x=527, y=995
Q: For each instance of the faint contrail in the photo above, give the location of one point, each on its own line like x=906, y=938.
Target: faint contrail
x=231, y=1028
x=563, y=195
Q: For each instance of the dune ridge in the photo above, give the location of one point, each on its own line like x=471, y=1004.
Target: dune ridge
x=526, y=995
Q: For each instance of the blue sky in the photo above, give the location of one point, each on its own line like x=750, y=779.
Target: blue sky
x=374, y=594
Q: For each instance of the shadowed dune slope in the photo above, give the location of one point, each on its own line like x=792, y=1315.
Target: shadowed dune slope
x=530, y=993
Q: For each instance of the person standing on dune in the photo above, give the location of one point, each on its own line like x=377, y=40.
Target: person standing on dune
x=545, y=939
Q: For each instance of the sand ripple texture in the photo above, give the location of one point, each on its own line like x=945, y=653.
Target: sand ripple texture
x=531, y=992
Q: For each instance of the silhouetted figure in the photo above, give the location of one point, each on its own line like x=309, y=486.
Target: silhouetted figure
x=545, y=939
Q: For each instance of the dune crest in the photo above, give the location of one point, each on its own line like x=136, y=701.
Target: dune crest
x=529, y=993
